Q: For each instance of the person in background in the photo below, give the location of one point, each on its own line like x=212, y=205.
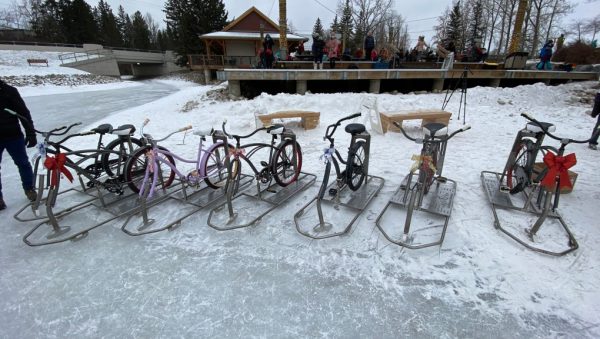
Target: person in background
x=11, y=137
x=317, y=51
x=268, y=51
x=443, y=52
x=478, y=54
x=373, y=55
x=421, y=48
x=332, y=46
x=369, y=45
x=545, y=56
x=596, y=113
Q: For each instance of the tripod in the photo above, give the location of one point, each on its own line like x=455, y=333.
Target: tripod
x=462, y=81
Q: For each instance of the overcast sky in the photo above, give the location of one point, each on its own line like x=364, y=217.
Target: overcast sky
x=420, y=14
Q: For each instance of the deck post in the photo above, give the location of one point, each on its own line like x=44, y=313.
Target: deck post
x=495, y=82
x=234, y=88
x=438, y=84
x=374, y=86
x=207, y=78
x=301, y=87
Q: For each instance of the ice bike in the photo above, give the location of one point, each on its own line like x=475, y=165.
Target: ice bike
x=424, y=189
x=152, y=168
x=533, y=188
x=346, y=190
x=278, y=178
x=101, y=167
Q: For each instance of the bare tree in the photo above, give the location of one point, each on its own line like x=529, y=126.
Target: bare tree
x=17, y=14
x=592, y=26
x=368, y=14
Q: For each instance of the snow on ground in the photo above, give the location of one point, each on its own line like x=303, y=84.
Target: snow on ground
x=51, y=79
x=268, y=280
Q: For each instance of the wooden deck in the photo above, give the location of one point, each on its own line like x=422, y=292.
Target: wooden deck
x=384, y=80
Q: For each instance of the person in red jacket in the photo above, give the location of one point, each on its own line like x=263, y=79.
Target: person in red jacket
x=11, y=137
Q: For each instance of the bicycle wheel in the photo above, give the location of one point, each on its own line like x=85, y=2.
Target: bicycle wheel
x=286, y=165
x=518, y=174
x=213, y=165
x=135, y=169
x=355, y=166
x=113, y=161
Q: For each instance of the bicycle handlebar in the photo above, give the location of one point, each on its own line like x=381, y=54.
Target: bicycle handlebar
x=460, y=130
x=563, y=141
x=248, y=135
x=329, y=134
x=47, y=134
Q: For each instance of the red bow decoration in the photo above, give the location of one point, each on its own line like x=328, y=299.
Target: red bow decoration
x=558, y=165
x=57, y=166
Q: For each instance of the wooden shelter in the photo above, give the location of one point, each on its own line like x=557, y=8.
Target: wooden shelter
x=240, y=42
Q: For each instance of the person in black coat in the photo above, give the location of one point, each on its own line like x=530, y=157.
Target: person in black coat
x=369, y=45
x=317, y=51
x=268, y=51
x=596, y=113
x=11, y=137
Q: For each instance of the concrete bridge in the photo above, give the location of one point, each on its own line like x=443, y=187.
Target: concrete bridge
x=109, y=61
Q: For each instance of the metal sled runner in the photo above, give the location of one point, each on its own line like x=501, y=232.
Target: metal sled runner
x=279, y=179
x=346, y=198
x=424, y=197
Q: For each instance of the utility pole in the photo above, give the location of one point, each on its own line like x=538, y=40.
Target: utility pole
x=282, y=30
x=515, y=40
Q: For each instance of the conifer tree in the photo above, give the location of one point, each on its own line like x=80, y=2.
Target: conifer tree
x=107, y=24
x=454, y=31
x=189, y=19
x=125, y=27
x=346, y=24
x=318, y=28
x=140, y=32
x=78, y=22
x=476, y=22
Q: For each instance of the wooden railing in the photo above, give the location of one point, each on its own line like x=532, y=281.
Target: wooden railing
x=221, y=61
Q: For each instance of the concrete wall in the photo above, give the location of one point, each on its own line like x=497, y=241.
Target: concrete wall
x=101, y=66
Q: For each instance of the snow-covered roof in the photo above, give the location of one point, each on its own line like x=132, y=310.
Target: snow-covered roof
x=246, y=36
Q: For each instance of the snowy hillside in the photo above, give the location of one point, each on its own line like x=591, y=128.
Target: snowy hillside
x=269, y=281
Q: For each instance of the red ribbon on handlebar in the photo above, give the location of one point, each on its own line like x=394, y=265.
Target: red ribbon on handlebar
x=558, y=165
x=56, y=165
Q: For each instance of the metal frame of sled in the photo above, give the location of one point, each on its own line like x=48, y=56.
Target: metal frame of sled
x=491, y=184
x=438, y=201
x=271, y=194
x=356, y=201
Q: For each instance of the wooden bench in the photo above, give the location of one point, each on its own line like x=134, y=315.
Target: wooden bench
x=430, y=115
x=37, y=61
x=308, y=119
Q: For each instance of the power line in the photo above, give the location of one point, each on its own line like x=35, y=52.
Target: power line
x=327, y=8
x=430, y=18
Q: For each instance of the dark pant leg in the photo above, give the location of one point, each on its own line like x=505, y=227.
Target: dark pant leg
x=16, y=149
x=595, y=133
x=1, y=151
x=368, y=53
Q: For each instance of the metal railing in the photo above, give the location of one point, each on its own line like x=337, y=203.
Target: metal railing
x=85, y=55
x=33, y=43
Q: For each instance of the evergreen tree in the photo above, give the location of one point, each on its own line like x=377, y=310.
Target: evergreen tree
x=454, y=31
x=107, y=23
x=78, y=22
x=189, y=19
x=318, y=28
x=45, y=22
x=335, y=25
x=476, y=23
x=125, y=27
x=346, y=24
x=140, y=32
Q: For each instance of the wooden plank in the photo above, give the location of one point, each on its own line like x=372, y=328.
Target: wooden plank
x=427, y=116
x=308, y=119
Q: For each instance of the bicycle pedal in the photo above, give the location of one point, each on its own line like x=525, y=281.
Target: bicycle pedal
x=333, y=191
x=504, y=189
x=441, y=179
x=264, y=164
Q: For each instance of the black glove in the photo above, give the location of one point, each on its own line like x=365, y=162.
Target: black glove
x=31, y=140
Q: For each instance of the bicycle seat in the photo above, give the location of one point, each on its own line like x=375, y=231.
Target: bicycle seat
x=123, y=130
x=434, y=129
x=533, y=127
x=203, y=133
x=275, y=129
x=355, y=128
x=103, y=129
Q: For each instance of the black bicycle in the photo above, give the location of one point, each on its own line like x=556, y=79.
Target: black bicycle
x=353, y=175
